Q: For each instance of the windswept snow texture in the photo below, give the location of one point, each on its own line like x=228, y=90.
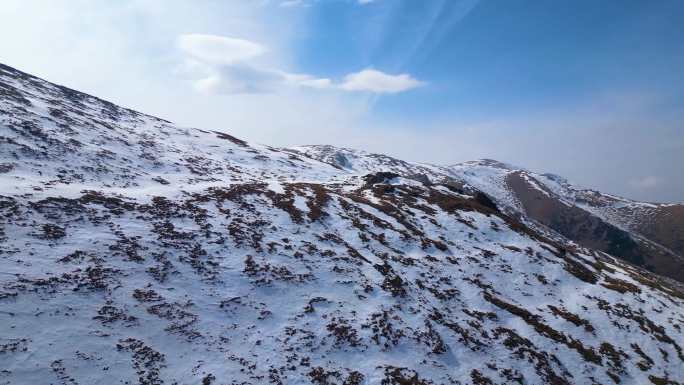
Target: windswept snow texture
x=136, y=251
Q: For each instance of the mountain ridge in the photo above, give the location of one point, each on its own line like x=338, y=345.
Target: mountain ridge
x=623, y=227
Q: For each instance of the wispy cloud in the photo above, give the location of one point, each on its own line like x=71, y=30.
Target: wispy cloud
x=293, y=3
x=308, y=3
x=646, y=183
x=221, y=64
x=379, y=82
x=219, y=49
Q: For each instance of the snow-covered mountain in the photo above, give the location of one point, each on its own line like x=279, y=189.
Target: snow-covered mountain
x=136, y=251
x=649, y=235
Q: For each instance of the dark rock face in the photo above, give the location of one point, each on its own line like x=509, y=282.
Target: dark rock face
x=664, y=225
x=579, y=225
x=379, y=177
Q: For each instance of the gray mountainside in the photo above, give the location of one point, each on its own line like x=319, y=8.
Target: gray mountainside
x=137, y=251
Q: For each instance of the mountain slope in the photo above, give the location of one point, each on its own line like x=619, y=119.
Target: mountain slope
x=136, y=251
x=646, y=234
x=661, y=223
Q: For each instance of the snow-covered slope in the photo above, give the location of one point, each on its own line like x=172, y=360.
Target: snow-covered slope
x=490, y=176
x=647, y=234
x=662, y=223
x=135, y=251
x=362, y=162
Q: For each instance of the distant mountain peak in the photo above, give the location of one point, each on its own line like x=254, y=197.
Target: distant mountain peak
x=488, y=163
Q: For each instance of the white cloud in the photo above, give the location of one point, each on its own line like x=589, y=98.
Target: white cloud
x=304, y=3
x=225, y=65
x=219, y=49
x=646, y=183
x=293, y=3
x=303, y=80
x=379, y=82
x=239, y=79
x=368, y=80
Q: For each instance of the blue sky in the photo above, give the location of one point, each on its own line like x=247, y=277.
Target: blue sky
x=591, y=90
x=504, y=55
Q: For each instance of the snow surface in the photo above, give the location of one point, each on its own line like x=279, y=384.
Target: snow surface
x=136, y=251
